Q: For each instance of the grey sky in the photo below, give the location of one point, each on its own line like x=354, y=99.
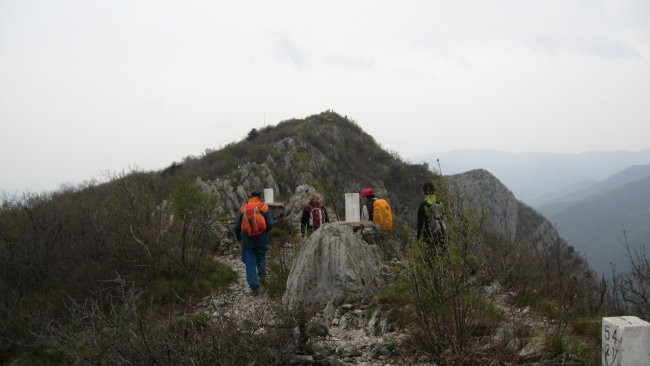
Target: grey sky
x=93, y=86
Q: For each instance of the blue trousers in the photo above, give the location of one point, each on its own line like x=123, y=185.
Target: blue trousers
x=254, y=257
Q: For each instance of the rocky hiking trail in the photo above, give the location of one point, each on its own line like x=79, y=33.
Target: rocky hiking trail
x=344, y=335
x=353, y=334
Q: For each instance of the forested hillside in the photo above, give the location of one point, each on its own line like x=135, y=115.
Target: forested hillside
x=145, y=239
x=601, y=225
x=555, y=204
x=326, y=151
x=114, y=272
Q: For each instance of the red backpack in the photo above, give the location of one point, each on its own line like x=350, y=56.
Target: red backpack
x=316, y=216
x=253, y=223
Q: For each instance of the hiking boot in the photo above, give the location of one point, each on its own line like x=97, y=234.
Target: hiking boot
x=262, y=280
x=255, y=291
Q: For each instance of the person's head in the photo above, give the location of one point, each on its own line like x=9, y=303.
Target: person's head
x=428, y=188
x=314, y=198
x=367, y=193
x=257, y=194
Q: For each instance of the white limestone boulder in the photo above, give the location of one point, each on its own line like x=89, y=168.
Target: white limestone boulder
x=335, y=263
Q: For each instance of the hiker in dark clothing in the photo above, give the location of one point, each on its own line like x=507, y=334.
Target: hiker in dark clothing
x=430, y=226
x=313, y=215
x=368, y=198
x=252, y=228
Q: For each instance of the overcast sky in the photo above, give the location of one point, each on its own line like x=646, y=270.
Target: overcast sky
x=91, y=86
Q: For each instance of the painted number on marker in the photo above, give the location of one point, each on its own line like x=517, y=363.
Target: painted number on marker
x=610, y=336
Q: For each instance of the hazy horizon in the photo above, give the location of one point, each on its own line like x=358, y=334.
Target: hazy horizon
x=535, y=177
x=456, y=167
x=88, y=87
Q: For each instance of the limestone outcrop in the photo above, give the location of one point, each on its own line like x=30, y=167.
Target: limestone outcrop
x=335, y=263
x=295, y=205
x=482, y=190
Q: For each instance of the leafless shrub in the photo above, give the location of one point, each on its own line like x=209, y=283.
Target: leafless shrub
x=67, y=243
x=112, y=328
x=631, y=289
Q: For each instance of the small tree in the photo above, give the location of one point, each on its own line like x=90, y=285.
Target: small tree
x=446, y=282
x=193, y=210
x=252, y=134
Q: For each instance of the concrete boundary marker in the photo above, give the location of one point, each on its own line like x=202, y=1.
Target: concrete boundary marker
x=625, y=341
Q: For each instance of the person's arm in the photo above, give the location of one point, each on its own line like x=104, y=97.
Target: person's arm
x=421, y=219
x=269, y=219
x=364, y=213
x=327, y=216
x=304, y=221
x=371, y=206
x=237, y=227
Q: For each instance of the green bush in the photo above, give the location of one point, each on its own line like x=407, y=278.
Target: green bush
x=590, y=327
x=556, y=344
x=213, y=279
x=43, y=357
x=446, y=283
x=284, y=247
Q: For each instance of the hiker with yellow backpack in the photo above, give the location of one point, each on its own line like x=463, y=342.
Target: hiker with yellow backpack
x=376, y=210
x=252, y=228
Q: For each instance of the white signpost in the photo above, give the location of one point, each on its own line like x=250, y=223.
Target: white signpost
x=352, y=207
x=268, y=195
x=625, y=341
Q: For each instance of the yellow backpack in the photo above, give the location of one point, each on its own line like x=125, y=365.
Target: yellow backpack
x=382, y=214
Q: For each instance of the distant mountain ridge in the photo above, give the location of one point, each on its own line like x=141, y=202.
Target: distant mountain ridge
x=591, y=198
x=585, y=190
x=598, y=219
x=533, y=177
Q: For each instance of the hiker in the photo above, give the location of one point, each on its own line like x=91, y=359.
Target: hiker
x=430, y=225
x=376, y=210
x=313, y=216
x=252, y=228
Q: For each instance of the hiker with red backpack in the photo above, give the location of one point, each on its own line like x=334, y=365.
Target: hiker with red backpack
x=252, y=228
x=376, y=210
x=314, y=215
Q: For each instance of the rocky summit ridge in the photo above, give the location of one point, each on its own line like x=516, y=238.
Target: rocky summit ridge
x=338, y=271
x=334, y=156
